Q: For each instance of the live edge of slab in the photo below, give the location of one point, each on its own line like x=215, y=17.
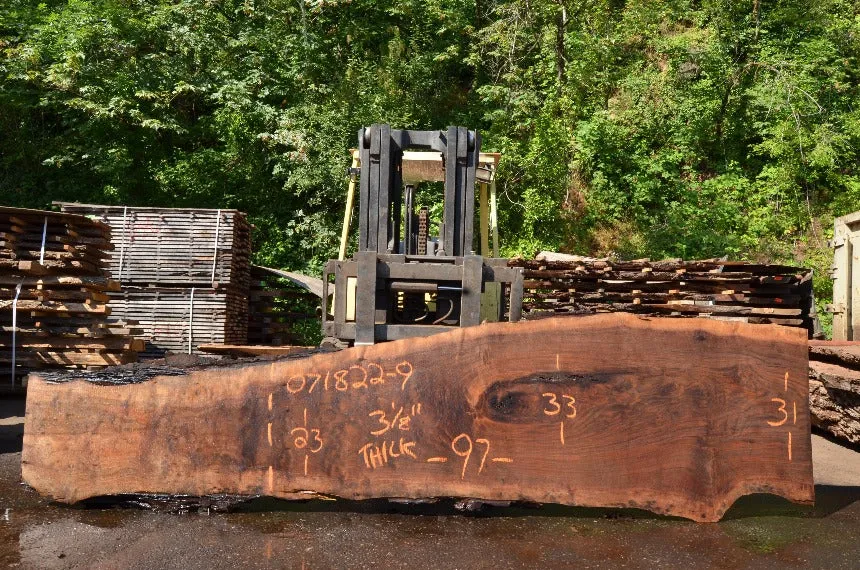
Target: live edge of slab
x=676, y=416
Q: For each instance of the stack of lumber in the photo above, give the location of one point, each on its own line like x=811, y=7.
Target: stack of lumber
x=184, y=273
x=172, y=246
x=178, y=319
x=274, y=306
x=54, y=286
x=727, y=290
x=834, y=388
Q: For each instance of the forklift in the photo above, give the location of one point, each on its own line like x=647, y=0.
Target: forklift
x=403, y=281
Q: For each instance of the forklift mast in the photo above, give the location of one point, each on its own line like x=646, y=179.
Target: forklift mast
x=400, y=284
x=382, y=193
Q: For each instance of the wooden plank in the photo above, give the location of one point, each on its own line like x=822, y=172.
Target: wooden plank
x=427, y=166
x=59, y=343
x=846, y=352
x=78, y=207
x=50, y=267
x=81, y=295
x=557, y=261
x=165, y=316
x=94, y=330
x=835, y=376
x=608, y=295
x=675, y=416
x=254, y=350
x=96, y=283
x=834, y=399
x=52, y=307
x=69, y=358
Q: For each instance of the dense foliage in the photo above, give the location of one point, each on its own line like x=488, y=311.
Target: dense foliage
x=645, y=128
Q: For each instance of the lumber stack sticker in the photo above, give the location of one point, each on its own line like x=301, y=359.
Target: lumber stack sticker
x=679, y=417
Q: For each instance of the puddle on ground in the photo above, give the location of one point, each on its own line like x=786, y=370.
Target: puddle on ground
x=760, y=531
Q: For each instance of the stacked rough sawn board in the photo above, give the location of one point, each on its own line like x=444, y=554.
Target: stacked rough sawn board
x=55, y=265
x=834, y=388
x=184, y=273
x=737, y=291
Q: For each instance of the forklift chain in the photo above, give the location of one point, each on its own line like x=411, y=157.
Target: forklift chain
x=423, y=222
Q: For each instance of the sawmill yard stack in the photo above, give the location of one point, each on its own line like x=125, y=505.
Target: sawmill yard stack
x=54, y=284
x=184, y=273
x=557, y=284
x=275, y=306
x=834, y=388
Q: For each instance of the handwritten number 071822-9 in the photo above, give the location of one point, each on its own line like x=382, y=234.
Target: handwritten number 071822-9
x=352, y=377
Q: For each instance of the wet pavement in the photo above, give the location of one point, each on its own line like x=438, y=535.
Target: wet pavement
x=759, y=532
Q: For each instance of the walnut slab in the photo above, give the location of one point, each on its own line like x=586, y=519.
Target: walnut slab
x=679, y=417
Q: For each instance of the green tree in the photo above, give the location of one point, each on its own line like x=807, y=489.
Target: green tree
x=643, y=128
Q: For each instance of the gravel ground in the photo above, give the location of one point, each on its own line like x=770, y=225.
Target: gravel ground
x=759, y=532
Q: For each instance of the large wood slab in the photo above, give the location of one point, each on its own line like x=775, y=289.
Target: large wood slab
x=674, y=416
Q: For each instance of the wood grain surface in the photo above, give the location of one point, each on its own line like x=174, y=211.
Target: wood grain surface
x=679, y=417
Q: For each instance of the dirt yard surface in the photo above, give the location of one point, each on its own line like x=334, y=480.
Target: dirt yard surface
x=759, y=532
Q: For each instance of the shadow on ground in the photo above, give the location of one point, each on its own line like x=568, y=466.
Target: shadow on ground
x=11, y=424
x=829, y=499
